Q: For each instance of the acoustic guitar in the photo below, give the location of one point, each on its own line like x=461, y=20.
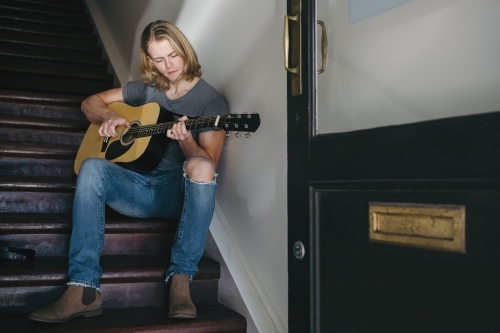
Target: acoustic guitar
x=132, y=143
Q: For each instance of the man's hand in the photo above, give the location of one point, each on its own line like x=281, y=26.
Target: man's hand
x=179, y=131
x=111, y=121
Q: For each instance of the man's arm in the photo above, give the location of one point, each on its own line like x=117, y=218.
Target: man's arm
x=210, y=143
x=94, y=108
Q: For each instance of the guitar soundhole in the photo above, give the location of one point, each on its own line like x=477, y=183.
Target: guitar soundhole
x=129, y=134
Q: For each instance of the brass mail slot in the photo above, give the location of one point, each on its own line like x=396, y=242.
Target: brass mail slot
x=438, y=227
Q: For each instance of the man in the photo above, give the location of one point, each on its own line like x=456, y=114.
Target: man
x=180, y=183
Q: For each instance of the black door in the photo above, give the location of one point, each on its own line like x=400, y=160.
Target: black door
x=393, y=228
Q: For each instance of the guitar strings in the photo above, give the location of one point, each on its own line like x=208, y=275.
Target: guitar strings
x=148, y=130
x=159, y=128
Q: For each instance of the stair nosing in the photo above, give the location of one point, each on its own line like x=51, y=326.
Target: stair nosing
x=146, y=271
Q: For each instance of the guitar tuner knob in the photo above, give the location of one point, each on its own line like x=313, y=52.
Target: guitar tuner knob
x=246, y=126
x=228, y=134
x=239, y=116
x=249, y=116
x=247, y=135
x=238, y=134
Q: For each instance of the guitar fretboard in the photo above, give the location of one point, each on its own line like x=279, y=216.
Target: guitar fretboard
x=149, y=130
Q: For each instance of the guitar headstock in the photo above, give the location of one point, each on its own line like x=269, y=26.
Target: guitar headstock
x=246, y=122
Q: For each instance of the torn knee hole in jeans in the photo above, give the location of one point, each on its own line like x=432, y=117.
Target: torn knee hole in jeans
x=213, y=181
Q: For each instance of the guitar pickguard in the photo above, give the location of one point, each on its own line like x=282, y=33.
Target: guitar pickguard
x=115, y=150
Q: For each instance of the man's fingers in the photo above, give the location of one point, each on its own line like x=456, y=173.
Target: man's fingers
x=108, y=127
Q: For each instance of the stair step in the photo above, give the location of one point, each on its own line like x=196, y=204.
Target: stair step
x=24, y=287
x=36, y=167
x=52, y=84
x=43, y=17
x=41, y=136
x=212, y=318
x=62, y=48
x=60, y=223
x=36, y=202
x=48, y=234
x=49, y=30
x=36, y=184
x=41, y=7
x=51, y=68
x=50, y=99
x=19, y=149
x=68, y=4
x=41, y=111
x=36, y=195
x=50, y=124
x=42, y=130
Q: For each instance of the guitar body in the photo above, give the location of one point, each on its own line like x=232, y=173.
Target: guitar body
x=94, y=145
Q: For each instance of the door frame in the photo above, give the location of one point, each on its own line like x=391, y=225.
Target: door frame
x=300, y=124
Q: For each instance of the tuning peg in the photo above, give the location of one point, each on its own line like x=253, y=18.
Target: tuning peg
x=228, y=134
x=248, y=135
x=238, y=134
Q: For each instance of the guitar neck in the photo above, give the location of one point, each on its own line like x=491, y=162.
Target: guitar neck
x=161, y=128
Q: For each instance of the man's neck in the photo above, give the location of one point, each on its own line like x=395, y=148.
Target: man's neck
x=179, y=89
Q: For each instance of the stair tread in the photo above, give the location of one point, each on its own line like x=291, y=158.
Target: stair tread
x=25, y=44
x=44, y=123
x=35, y=149
x=213, y=318
x=15, y=223
x=41, y=111
x=71, y=4
x=48, y=18
x=48, y=67
x=43, y=29
x=28, y=183
x=45, y=271
x=42, y=8
x=7, y=95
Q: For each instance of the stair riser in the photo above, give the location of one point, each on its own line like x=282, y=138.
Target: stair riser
x=36, y=40
x=22, y=81
x=42, y=8
x=25, y=51
x=48, y=111
x=35, y=202
x=44, y=29
x=121, y=295
x=114, y=244
x=53, y=68
x=69, y=4
x=18, y=166
x=60, y=20
x=40, y=136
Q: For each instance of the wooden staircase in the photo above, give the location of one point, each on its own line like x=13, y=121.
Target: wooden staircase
x=49, y=62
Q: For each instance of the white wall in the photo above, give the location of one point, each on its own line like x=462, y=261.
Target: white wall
x=239, y=45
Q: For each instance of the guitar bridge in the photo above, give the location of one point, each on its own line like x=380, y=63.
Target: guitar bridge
x=105, y=142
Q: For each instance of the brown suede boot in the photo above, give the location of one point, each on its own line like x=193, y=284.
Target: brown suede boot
x=181, y=305
x=76, y=301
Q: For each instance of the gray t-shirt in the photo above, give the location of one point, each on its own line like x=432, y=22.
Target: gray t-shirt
x=201, y=101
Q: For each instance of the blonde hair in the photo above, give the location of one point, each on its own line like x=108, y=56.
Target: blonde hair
x=164, y=30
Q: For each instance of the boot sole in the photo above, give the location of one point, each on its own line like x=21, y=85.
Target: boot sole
x=181, y=316
x=85, y=314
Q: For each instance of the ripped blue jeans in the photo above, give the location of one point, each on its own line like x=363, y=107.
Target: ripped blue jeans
x=160, y=195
